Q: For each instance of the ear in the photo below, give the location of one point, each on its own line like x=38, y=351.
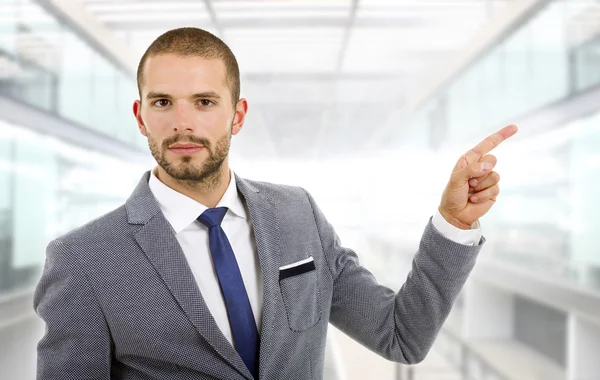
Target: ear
x=241, y=109
x=137, y=111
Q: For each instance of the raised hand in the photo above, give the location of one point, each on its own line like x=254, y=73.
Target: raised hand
x=473, y=185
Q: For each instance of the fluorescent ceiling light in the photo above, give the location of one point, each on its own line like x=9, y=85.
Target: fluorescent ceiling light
x=444, y=4
x=283, y=40
x=282, y=14
x=424, y=14
x=232, y=5
x=155, y=16
x=276, y=33
x=414, y=40
x=146, y=6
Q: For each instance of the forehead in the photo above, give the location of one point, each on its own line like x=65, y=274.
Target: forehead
x=181, y=72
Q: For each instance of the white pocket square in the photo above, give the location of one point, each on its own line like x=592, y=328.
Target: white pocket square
x=297, y=263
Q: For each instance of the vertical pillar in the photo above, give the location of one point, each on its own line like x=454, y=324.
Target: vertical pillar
x=583, y=349
x=488, y=312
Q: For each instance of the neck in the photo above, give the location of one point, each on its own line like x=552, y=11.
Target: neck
x=207, y=192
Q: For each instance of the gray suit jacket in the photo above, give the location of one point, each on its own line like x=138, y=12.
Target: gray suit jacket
x=120, y=301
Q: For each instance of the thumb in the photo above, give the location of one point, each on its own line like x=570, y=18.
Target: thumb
x=459, y=176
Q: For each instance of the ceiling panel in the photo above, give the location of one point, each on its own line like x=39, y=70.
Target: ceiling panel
x=308, y=50
x=319, y=75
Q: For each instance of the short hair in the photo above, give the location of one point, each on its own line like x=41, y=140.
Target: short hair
x=194, y=42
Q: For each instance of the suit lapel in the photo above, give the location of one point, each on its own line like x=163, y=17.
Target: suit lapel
x=157, y=239
x=266, y=232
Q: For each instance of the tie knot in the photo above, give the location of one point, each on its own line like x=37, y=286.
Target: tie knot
x=212, y=216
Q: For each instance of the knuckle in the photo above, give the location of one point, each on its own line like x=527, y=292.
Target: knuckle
x=475, y=151
x=462, y=162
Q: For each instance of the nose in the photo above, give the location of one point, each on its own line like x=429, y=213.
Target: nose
x=183, y=118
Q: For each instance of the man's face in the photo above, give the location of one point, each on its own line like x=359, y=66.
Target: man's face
x=187, y=115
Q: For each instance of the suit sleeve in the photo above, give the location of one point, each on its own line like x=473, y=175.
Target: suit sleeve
x=400, y=326
x=77, y=343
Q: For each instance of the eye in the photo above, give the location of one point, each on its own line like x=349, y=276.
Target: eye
x=205, y=103
x=161, y=103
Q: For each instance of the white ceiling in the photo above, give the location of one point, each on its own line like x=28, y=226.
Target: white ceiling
x=320, y=76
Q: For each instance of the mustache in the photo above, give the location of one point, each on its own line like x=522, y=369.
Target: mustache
x=185, y=138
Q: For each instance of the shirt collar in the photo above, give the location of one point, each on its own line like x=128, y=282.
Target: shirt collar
x=181, y=210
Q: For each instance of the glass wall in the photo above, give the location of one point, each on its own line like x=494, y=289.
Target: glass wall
x=553, y=56
x=586, y=62
x=47, y=188
x=44, y=63
x=548, y=215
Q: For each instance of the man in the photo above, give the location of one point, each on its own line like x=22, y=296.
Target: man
x=204, y=275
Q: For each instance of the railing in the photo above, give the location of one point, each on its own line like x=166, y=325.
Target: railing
x=16, y=308
x=469, y=364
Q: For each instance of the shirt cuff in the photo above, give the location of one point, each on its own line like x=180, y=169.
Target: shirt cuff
x=466, y=237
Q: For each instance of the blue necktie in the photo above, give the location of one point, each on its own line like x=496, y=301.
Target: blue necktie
x=241, y=319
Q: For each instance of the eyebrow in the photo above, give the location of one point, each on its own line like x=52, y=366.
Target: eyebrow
x=154, y=95
x=204, y=95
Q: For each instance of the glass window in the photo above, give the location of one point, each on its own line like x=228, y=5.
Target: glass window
x=104, y=98
x=517, y=72
x=127, y=130
x=37, y=48
x=49, y=66
x=491, y=90
x=47, y=188
x=35, y=86
x=6, y=208
x=34, y=193
x=455, y=99
x=587, y=65
x=75, y=86
x=549, y=58
x=530, y=68
x=472, y=85
x=584, y=174
x=8, y=26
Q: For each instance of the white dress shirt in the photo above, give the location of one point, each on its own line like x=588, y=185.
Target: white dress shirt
x=181, y=212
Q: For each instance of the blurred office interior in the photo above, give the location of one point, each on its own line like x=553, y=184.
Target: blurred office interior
x=365, y=103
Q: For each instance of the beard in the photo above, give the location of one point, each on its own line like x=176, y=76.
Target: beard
x=186, y=171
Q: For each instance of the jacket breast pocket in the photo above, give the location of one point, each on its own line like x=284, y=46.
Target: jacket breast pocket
x=301, y=295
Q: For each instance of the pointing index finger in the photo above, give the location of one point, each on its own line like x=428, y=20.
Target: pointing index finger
x=491, y=142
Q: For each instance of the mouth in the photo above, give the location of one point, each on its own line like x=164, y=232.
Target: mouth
x=185, y=149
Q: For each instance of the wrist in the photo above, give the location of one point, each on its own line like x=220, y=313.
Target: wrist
x=453, y=220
